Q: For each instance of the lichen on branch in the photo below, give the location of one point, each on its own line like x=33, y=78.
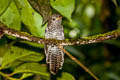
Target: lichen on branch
x=87, y=40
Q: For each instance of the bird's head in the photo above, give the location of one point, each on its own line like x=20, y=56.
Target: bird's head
x=55, y=18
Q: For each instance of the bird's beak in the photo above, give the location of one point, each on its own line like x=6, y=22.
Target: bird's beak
x=60, y=17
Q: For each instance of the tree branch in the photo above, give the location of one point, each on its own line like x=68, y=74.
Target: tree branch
x=87, y=40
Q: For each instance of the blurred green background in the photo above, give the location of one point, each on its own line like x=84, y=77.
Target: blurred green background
x=90, y=17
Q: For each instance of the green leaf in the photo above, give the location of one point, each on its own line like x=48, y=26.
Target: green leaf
x=33, y=44
x=30, y=18
x=33, y=57
x=4, y=5
x=3, y=42
x=14, y=53
x=25, y=75
x=115, y=2
x=11, y=17
x=66, y=76
x=32, y=68
x=64, y=7
x=3, y=48
x=13, y=64
x=42, y=31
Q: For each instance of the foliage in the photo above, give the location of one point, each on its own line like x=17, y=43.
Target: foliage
x=81, y=18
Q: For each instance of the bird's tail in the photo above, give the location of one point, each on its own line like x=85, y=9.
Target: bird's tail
x=56, y=62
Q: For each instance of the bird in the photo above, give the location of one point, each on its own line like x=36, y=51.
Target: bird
x=54, y=55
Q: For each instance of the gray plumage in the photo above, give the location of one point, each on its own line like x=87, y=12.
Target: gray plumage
x=54, y=55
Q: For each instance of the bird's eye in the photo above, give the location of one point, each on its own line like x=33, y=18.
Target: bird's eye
x=53, y=19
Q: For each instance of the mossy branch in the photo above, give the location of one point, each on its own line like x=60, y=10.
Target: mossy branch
x=87, y=40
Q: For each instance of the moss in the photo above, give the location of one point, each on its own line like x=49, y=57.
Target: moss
x=25, y=33
x=103, y=35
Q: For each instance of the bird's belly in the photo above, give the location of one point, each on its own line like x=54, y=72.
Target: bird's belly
x=53, y=49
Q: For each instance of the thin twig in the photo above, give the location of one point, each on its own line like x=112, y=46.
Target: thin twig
x=87, y=40
x=78, y=62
